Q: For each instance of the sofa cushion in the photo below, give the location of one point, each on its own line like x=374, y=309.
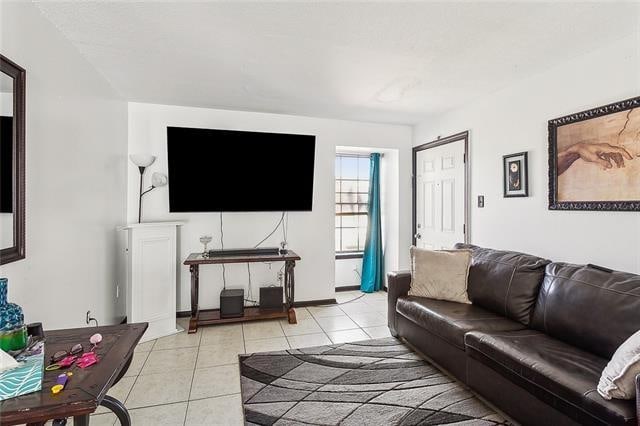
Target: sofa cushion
x=562, y=375
x=440, y=274
x=505, y=282
x=450, y=320
x=587, y=307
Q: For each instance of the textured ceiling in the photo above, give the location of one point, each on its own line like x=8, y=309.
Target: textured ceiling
x=385, y=62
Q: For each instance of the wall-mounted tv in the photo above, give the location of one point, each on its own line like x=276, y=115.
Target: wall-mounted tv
x=235, y=171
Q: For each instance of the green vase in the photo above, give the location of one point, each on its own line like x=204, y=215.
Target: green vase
x=13, y=332
x=14, y=340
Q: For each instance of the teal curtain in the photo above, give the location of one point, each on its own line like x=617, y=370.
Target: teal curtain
x=373, y=260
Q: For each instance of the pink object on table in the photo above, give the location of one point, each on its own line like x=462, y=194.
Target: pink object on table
x=95, y=339
x=67, y=361
x=87, y=360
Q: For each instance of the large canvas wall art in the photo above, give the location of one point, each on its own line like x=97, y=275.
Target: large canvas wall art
x=594, y=159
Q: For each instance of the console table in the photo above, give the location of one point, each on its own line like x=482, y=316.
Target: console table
x=212, y=316
x=87, y=388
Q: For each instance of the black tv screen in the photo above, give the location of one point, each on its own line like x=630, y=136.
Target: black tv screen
x=235, y=171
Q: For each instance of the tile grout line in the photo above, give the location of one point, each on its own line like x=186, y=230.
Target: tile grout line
x=315, y=320
x=303, y=334
x=286, y=338
x=173, y=349
x=322, y=328
x=193, y=374
x=321, y=332
x=180, y=402
x=137, y=376
x=244, y=343
x=348, y=316
x=131, y=388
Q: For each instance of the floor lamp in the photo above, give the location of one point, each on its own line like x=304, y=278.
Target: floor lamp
x=157, y=179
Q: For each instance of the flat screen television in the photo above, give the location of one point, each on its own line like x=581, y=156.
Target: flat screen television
x=235, y=171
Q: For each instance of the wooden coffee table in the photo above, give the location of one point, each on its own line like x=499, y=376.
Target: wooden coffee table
x=87, y=388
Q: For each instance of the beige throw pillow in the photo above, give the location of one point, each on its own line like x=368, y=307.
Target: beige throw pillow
x=618, y=377
x=440, y=274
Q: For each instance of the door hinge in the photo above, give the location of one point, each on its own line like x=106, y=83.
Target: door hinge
x=464, y=158
x=464, y=228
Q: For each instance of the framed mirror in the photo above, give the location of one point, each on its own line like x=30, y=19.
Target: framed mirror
x=12, y=161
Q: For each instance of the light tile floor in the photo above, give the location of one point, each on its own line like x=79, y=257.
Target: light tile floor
x=194, y=379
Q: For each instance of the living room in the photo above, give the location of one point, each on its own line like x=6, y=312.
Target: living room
x=220, y=213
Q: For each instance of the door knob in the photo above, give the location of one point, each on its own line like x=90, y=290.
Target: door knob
x=417, y=236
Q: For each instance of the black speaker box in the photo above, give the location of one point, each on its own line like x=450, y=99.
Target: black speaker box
x=232, y=303
x=270, y=297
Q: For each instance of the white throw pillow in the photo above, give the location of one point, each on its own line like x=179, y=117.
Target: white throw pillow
x=618, y=377
x=440, y=274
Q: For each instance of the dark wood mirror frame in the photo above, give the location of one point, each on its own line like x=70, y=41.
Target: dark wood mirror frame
x=17, y=251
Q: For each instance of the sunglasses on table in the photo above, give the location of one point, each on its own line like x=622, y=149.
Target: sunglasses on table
x=60, y=355
x=76, y=355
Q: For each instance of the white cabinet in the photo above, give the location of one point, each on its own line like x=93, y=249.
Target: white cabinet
x=151, y=261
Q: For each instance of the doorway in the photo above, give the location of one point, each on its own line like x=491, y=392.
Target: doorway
x=441, y=190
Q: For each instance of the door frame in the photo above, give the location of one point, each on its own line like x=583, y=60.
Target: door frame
x=462, y=136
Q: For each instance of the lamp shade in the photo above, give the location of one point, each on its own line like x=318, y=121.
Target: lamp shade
x=158, y=179
x=142, y=160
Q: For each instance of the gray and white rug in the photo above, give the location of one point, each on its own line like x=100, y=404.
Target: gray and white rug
x=373, y=382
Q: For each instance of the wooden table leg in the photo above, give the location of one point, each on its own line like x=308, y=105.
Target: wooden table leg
x=82, y=420
x=195, y=286
x=289, y=286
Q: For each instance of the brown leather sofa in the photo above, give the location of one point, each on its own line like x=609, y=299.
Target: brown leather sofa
x=536, y=338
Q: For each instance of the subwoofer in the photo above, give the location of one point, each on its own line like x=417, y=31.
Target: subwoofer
x=231, y=303
x=271, y=297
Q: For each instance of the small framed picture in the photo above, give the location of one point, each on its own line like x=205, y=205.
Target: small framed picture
x=516, y=177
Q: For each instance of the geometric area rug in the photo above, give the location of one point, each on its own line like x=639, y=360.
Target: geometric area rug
x=372, y=382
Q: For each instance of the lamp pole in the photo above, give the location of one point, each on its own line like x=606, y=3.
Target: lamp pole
x=140, y=198
x=142, y=162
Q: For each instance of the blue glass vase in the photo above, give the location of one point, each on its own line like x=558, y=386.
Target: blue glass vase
x=13, y=332
x=4, y=284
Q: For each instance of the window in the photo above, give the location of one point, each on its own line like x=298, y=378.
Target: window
x=352, y=202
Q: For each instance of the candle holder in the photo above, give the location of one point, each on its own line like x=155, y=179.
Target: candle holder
x=205, y=239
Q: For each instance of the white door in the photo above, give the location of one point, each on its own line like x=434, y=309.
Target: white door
x=440, y=196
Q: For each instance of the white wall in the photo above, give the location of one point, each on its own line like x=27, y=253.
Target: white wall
x=395, y=170
x=514, y=120
x=348, y=272
x=310, y=233
x=75, y=175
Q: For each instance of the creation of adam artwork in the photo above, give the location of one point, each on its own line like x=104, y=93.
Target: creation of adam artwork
x=597, y=159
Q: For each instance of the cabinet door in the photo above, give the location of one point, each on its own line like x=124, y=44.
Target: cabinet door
x=153, y=279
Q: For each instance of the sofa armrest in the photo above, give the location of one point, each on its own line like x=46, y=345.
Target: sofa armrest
x=397, y=285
